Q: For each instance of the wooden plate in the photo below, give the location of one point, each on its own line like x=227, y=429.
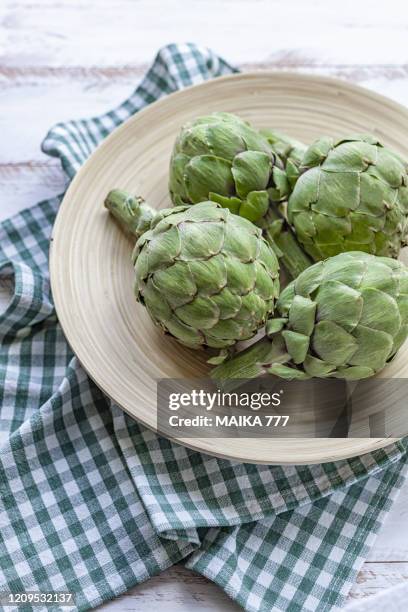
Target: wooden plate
x=91, y=272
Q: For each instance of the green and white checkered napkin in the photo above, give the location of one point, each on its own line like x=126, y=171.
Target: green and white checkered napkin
x=92, y=502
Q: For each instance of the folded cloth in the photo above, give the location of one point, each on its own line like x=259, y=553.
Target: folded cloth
x=93, y=503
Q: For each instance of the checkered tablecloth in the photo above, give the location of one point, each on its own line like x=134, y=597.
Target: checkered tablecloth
x=94, y=503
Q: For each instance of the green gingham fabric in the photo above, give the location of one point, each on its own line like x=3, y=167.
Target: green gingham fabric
x=94, y=503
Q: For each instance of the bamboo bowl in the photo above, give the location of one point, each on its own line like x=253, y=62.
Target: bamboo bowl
x=91, y=271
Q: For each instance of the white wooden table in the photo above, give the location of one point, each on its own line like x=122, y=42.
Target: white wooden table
x=62, y=59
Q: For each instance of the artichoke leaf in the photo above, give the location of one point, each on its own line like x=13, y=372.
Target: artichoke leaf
x=251, y=171
x=208, y=173
x=333, y=344
x=255, y=206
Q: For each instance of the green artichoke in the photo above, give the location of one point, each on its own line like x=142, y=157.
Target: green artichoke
x=345, y=317
x=352, y=195
x=222, y=158
x=206, y=276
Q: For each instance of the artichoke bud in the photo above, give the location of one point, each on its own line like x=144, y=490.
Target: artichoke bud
x=349, y=197
x=345, y=317
x=206, y=276
x=222, y=158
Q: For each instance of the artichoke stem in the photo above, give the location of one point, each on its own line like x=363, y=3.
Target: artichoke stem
x=132, y=213
x=250, y=363
x=281, y=238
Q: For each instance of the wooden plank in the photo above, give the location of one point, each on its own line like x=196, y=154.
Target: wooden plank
x=179, y=589
x=30, y=107
x=375, y=577
x=88, y=32
x=110, y=75
x=23, y=185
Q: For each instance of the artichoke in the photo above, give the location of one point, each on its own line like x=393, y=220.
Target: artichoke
x=206, y=276
x=345, y=317
x=352, y=195
x=222, y=158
